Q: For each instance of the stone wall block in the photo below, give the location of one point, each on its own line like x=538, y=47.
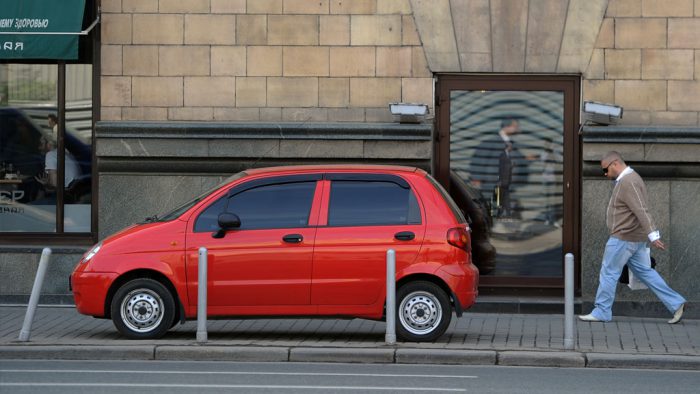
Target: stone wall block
x=668, y=64
x=596, y=67
x=191, y=114
x=583, y=21
x=116, y=29
x=237, y=114
x=251, y=29
x=417, y=90
x=345, y=7
x=251, y=92
x=140, y=60
x=302, y=61
x=667, y=8
x=306, y=7
x=183, y=60
x=393, y=7
x=228, y=6
x=544, y=39
x=606, y=35
x=374, y=92
x=210, y=91
x=435, y=27
x=111, y=59
x=144, y=113
x=264, y=7
x=394, y=61
x=333, y=92
x=292, y=29
x=375, y=30
x=684, y=95
x=472, y=25
x=352, y=61
x=228, y=60
x=390, y=149
x=334, y=30
x=157, y=91
x=292, y=92
x=210, y=29
x=264, y=61
x=183, y=6
x=137, y=6
x=641, y=95
x=684, y=33
x=346, y=115
x=637, y=33
x=116, y=91
x=303, y=115
x=244, y=148
x=509, y=36
x=409, y=32
x=599, y=90
x=624, y=8
x=159, y=29
x=623, y=63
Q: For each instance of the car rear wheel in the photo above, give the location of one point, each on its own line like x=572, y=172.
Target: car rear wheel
x=423, y=312
x=143, y=309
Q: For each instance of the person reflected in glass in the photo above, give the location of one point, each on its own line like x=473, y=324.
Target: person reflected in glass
x=551, y=161
x=505, y=176
x=53, y=124
x=49, y=178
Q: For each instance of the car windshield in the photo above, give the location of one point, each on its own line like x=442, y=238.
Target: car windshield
x=175, y=213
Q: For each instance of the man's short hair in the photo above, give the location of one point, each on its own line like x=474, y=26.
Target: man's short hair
x=613, y=155
x=507, y=122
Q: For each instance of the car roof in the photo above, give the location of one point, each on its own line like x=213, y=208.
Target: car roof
x=331, y=168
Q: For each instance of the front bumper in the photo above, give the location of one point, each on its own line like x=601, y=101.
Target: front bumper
x=90, y=291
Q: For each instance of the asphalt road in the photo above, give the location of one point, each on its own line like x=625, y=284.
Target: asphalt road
x=53, y=376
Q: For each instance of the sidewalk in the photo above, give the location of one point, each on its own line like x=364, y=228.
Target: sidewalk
x=476, y=338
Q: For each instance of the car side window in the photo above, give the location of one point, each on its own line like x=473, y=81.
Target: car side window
x=368, y=203
x=286, y=205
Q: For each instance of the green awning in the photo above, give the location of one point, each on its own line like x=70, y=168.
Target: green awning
x=40, y=29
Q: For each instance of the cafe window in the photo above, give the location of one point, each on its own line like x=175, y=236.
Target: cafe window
x=46, y=118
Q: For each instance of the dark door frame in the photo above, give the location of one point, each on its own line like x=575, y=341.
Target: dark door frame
x=570, y=86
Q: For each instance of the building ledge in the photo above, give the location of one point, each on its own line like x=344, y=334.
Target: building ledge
x=641, y=134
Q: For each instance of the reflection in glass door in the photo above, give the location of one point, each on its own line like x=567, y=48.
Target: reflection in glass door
x=509, y=146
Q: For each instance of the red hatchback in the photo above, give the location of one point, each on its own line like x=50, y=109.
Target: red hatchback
x=290, y=241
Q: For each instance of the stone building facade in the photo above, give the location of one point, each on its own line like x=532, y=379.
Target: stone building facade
x=192, y=90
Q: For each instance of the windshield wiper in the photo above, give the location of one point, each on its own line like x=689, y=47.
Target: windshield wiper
x=152, y=219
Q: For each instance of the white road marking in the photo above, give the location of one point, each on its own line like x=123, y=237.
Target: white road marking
x=225, y=386
x=151, y=372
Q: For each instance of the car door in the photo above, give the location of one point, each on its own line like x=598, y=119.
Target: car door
x=367, y=214
x=267, y=260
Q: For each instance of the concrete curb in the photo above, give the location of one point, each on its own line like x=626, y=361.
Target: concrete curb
x=561, y=359
x=222, y=353
x=81, y=352
x=542, y=359
x=642, y=361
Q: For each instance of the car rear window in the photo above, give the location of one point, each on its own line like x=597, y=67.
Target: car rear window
x=372, y=203
x=450, y=202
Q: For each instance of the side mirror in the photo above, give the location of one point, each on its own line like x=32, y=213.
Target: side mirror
x=227, y=221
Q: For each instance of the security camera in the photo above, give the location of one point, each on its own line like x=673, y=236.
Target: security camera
x=601, y=113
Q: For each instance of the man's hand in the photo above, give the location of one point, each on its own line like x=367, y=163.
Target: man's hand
x=658, y=244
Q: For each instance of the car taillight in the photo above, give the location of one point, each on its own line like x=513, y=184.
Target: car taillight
x=459, y=237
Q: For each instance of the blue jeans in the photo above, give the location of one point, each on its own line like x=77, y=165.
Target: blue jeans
x=635, y=255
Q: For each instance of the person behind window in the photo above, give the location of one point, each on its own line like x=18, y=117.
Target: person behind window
x=505, y=176
x=53, y=124
x=49, y=179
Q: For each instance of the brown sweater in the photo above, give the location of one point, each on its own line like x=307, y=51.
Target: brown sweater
x=628, y=217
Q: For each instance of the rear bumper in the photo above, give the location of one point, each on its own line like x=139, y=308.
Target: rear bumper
x=464, y=284
x=90, y=291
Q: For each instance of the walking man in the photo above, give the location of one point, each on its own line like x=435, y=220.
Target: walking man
x=630, y=226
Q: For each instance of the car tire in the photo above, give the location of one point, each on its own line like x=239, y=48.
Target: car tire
x=143, y=309
x=423, y=312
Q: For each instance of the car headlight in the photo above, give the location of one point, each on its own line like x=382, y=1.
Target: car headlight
x=92, y=252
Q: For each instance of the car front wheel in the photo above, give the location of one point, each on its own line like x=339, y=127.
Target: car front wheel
x=423, y=312
x=143, y=309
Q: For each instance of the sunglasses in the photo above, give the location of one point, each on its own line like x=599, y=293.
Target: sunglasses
x=605, y=170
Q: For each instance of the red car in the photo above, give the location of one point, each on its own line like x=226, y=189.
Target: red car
x=290, y=241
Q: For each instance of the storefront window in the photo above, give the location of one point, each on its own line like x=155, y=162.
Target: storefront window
x=30, y=163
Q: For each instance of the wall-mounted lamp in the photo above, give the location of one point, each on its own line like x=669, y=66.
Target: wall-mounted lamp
x=409, y=112
x=601, y=113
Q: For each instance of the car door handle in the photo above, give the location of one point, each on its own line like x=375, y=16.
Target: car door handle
x=293, y=238
x=405, y=236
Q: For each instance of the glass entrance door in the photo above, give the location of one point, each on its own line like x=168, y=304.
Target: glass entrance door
x=514, y=151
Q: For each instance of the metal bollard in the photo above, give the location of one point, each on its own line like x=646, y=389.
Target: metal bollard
x=569, y=301
x=26, y=331
x=202, y=297
x=390, y=336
